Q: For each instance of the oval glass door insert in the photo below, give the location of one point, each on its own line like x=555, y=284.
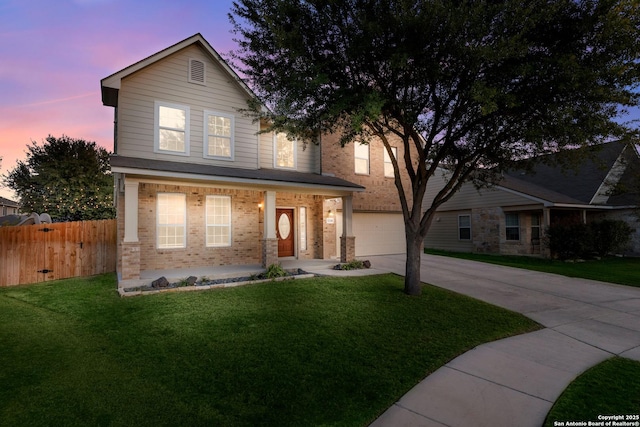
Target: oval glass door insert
x=284, y=226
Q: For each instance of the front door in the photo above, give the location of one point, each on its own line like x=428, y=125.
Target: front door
x=284, y=231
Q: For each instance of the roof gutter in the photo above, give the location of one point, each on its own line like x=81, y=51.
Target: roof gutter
x=148, y=175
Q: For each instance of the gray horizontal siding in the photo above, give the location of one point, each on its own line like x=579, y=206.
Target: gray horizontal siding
x=443, y=233
x=469, y=197
x=166, y=81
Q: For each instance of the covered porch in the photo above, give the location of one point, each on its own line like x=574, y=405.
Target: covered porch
x=175, y=220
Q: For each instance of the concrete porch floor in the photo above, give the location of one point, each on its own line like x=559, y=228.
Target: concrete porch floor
x=316, y=266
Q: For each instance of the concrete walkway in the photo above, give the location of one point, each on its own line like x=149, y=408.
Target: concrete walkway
x=515, y=381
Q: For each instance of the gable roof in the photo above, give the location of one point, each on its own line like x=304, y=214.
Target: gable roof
x=111, y=85
x=9, y=203
x=591, y=181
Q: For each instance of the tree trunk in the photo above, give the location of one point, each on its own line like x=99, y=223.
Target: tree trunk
x=412, y=284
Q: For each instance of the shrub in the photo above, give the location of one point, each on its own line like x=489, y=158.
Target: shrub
x=353, y=265
x=274, y=271
x=570, y=241
x=610, y=236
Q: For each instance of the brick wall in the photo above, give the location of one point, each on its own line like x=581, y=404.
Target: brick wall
x=245, y=234
x=381, y=193
x=247, y=229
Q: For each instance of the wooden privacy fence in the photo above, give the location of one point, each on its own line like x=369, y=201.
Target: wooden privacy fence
x=37, y=253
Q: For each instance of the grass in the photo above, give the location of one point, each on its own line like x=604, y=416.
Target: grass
x=610, y=388
x=323, y=351
x=623, y=271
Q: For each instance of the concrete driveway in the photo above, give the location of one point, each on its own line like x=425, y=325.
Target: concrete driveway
x=515, y=381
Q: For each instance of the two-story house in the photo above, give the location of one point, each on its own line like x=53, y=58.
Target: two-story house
x=197, y=184
x=378, y=223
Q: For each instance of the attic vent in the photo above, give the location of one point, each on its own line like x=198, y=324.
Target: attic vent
x=196, y=71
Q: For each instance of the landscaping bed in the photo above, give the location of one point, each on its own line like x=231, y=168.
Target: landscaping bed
x=193, y=283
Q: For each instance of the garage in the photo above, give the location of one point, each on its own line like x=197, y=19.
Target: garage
x=378, y=234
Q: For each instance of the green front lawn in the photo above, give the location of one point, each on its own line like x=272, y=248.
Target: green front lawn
x=610, y=388
x=323, y=351
x=623, y=271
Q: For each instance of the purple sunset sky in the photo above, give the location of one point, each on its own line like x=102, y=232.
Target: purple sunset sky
x=53, y=54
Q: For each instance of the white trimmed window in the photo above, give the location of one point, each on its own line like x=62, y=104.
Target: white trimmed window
x=361, y=154
x=171, y=223
x=171, y=128
x=284, y=151
x=464, y=227
x=218, y=219
x=388, y=166
x=512, y=221
x=218, y=131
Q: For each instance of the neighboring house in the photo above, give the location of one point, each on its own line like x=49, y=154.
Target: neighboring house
x=197, y=185
x=8, y=207
x=511, y=217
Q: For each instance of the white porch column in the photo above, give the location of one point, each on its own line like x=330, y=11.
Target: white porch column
x=269, y=240
x=347, y=216
x=546, y=217
x=130, y=212
x=270, y=214
x=546, y=223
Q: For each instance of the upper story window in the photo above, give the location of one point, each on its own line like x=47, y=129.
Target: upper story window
x=388, y=166
x=218, y=131
x=171, y=221
x=512, y=221
x=284, y=151
x=171, y=128
x=361, y=154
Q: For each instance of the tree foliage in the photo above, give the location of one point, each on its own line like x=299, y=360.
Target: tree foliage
x=70, y=179
x=466, y=86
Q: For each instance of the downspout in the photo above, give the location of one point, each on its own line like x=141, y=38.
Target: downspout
x=115, y=130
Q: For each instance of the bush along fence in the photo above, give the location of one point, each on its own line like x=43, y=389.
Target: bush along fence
x=38, y=253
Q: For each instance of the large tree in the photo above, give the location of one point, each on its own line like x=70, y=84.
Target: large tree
x=466, y=86
x=70, y=179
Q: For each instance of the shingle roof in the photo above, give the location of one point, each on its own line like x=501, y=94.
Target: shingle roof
x=7, y=202
x=271, y=175
x=576, y=184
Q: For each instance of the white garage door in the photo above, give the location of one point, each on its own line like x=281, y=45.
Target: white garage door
x=378, y=234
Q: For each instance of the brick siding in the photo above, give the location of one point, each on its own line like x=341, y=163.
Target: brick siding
x=248, y=245
x=381, y=194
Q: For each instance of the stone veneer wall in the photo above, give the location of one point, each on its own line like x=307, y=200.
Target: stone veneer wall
x=485, y=229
